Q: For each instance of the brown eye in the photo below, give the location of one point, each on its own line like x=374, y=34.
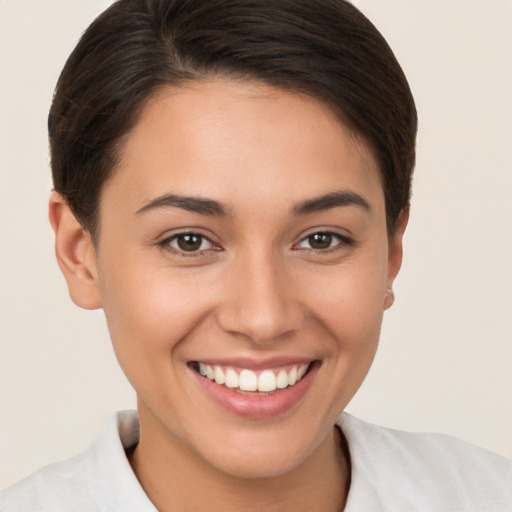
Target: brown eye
x=324, y=241
x=188, y=242
x=320, y=241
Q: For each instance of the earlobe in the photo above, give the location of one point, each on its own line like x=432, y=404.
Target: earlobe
x=75, y=254
x=395, y=256
x=389, y=298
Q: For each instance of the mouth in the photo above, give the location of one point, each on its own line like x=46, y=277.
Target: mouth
x=256, y=392
x=245, y=380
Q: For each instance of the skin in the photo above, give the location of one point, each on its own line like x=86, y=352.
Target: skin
x=258, y=289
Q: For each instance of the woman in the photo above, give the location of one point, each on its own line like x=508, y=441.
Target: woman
x=232, y=187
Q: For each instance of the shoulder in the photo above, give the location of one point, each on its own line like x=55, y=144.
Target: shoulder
x=410, y=471
x=99, y=479
x=51, y=487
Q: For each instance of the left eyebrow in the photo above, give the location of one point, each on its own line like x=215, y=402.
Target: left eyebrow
x=192, y=204
x=329, y=201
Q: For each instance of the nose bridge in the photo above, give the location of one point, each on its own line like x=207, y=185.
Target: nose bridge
x=261, y=303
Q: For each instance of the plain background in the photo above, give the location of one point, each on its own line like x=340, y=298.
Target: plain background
x=445, y=360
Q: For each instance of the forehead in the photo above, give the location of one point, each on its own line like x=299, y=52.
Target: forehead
x=229, y=138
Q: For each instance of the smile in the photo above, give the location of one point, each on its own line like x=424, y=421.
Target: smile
x=255, y=390
x=265, y=381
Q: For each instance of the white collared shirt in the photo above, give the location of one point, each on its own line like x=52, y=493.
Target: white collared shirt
x=392, y=471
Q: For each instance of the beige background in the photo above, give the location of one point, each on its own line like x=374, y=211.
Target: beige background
x=445, y=361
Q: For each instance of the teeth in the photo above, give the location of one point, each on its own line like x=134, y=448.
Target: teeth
x=282, y=379
x=267, y=381
x=292, y=376
x=231, y=378
x=219, y=375
x=247, y=380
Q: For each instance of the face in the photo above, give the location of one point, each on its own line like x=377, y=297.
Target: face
x=242, y=264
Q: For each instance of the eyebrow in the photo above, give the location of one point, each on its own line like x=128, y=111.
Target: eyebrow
x=211, y=207
x=191, y=204
x=329, y=201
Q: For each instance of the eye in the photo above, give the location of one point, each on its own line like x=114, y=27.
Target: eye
x=188, y=242
x=323, y=240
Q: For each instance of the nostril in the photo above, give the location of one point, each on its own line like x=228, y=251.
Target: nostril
x=260, y=322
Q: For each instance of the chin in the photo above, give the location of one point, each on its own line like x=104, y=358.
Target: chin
x=266, y=453
x=260, y=466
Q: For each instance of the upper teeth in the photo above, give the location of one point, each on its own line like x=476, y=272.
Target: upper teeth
x=247, y=380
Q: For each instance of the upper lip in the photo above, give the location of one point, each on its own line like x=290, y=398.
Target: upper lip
x=256, y=364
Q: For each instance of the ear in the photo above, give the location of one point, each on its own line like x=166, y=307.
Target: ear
x=395, y=255
x=75, y=254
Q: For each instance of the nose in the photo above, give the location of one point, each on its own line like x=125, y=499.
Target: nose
x=260, y=302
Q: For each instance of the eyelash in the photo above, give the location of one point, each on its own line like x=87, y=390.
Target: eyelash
x=342, y=241
x=166, y=244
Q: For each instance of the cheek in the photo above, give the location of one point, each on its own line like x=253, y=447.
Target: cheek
x=351, y=309
x=350, y=300
x=148, y=311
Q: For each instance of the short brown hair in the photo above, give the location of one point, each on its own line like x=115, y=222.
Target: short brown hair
x=324, y=48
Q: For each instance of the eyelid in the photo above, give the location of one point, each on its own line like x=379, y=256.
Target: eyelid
x=344, y=240
x=165, y=242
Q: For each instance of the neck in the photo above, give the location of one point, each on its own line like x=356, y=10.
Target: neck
x=175, y=478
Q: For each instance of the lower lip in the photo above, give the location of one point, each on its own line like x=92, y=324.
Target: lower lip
x=257, y=406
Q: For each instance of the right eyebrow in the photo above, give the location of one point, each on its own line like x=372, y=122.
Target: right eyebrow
x=199, y=205
x=331, y=200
